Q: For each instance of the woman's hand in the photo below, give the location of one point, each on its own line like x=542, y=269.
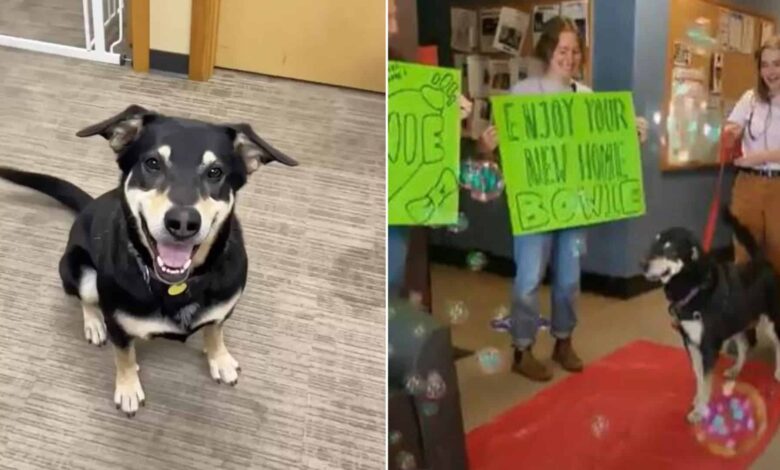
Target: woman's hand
x=488, y=141
x=641, y=129
x=465, y=107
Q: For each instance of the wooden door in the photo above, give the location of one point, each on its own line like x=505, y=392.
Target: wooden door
x=338, y=42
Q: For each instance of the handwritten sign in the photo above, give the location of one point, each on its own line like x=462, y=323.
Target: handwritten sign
x=569, y=159
x=423, y=144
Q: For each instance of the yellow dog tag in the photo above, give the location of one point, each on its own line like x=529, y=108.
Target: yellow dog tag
x=177, y=289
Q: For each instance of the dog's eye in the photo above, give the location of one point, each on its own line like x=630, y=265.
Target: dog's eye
x=152, y=164
x=215, y=173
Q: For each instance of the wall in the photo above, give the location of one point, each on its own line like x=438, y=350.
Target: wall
x=406, y=41
x=169, y=25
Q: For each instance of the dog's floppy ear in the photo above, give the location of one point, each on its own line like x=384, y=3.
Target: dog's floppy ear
x=121, y=130
x=254, y=150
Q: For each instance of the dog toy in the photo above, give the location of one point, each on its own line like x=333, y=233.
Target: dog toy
x=736, y=421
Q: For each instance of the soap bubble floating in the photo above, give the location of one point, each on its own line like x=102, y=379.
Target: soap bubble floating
x=458, y=312
x=461, y=226
x=395, y=437
x=435, y=387
x=406, y=461
x=430, y=408
x=476, y=260
x=482, y=178
x=415, y=385
x=489, y=360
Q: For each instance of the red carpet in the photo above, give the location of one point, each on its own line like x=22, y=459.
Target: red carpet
x=626, y=411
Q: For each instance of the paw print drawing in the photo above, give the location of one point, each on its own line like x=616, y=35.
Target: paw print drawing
x=415, y=137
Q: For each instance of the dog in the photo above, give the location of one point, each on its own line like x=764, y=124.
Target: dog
x=712, y=302
x=162, y=254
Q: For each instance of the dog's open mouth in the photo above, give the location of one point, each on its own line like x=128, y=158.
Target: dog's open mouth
x=172, y=261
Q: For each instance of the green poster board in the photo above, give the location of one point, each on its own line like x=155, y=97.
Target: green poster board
x=569, y=159
x=423, y=144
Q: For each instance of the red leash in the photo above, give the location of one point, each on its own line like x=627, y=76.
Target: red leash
x=726, y=154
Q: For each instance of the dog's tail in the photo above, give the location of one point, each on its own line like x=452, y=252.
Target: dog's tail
x=66, y=193
x=742, y=234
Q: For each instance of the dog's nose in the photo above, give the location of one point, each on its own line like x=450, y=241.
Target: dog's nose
x=182, y=222
x=643, y=264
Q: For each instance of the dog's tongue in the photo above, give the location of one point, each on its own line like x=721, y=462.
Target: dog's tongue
x=174, y=256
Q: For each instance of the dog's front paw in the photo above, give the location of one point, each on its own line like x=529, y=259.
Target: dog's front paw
x=698, y=413
x=129, y=394
x=224, y=368
x=95, y=330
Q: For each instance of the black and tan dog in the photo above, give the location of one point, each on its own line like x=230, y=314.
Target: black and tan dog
x=162, y=254
x=713, y=302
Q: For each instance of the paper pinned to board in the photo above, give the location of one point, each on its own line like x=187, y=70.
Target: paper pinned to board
x=511, y=31
x=723, y=28
x=488, y=25
x=478, y=76
x=464, y=29
x=577, y=10
x=500, y=76
x=748, y=34
x=541, y=15
x=736, y=22
x=767, y=30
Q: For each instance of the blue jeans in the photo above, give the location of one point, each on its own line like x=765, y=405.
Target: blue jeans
x=397, y=247
x=530, y=253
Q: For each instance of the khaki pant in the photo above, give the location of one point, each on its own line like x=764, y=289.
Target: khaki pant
x=755, y=201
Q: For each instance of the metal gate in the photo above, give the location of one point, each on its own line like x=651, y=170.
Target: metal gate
x=103, y=21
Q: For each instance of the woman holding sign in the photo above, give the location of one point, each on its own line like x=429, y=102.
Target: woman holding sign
x=560, y=49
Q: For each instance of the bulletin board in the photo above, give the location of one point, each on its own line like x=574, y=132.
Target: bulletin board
x=527, y=6
x=679, y=149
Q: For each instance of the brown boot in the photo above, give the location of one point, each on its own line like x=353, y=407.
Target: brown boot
x=527, y=365
x=564, y=355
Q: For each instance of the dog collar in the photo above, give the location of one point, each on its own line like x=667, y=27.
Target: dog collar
x=676, y=307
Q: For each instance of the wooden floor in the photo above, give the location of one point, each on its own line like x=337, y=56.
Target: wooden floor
x=309, y=332
x=604, y=326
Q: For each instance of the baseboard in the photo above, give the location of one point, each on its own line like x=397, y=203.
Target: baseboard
x=608, y=286
x=169, y=61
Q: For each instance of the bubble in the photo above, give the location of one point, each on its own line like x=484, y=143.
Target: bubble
x=391, y=312
x=419, y=330
x=395, y=437
x=435, y=386
x=580, y=248
x=406, y=461
x=599, y=426
x=483, y=179
x=489, y=360
x=430, y=408
x=501, y=320
x=457, y=312
x=476, y=260
x=461, y=226
x=415, y=385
